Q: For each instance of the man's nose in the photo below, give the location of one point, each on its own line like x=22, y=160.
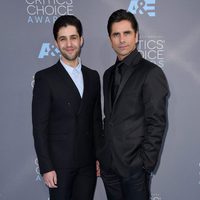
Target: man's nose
x=69, y=42
x=122, y=38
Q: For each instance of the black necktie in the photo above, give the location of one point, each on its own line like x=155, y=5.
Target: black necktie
x=117, y=80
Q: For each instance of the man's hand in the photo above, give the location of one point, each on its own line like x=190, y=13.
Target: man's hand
x=98, y=171
x=50, y=179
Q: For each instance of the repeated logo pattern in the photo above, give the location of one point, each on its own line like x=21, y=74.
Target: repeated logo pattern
x=143, y=7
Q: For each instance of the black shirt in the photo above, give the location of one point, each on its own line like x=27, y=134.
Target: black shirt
x=120, y=68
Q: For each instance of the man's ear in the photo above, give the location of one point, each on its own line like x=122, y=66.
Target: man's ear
x=82, y=41
x=136, y=37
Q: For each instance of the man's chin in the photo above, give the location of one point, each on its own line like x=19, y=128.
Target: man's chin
x=71, y=58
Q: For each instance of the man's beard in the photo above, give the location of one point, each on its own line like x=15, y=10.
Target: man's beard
x=71, y=58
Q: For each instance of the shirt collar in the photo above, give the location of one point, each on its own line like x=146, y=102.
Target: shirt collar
x=129, y=59
x=71, y=69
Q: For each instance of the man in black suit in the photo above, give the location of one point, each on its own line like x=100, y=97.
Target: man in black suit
x=135, y=97
x=66, y=115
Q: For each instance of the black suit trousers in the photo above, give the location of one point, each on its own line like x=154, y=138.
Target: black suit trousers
x=135, y=187
x=75, y=184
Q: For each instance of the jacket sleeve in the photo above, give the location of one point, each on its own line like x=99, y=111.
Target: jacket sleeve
x=40, y=115
x=97, y=118
x=155, y=93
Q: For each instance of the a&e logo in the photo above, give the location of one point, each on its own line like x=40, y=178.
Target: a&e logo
x=143, y=7
x=48, y=49
x=155, y=197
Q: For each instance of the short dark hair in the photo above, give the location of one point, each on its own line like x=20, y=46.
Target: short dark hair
x=120, y=15
x=64, y=21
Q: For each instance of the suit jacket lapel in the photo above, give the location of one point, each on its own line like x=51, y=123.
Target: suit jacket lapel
x=85, y=88
x=108, y=90
x=66, y=77
x=127, y=75
x=69, y=85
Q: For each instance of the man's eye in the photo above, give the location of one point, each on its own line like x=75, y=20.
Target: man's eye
x=126, y=33
x=74, y=38
x=115, y=35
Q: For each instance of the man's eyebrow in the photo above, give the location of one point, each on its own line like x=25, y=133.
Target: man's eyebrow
x=115, y=33
x=62, y=36
x=128, y=31
x=73, y=35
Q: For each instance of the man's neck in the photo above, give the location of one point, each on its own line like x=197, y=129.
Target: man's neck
x=71, y=63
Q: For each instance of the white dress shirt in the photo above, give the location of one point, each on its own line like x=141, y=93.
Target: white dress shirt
x=76, y=75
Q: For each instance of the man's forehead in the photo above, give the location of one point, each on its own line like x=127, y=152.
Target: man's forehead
x=122, y=26
x=68, y=28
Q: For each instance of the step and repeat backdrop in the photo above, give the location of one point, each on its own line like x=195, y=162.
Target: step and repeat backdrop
x=169, y=37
